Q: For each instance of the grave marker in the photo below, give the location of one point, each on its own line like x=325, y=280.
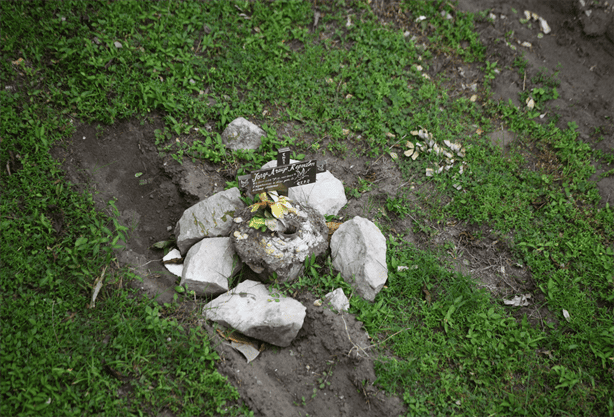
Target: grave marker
x=283, y=176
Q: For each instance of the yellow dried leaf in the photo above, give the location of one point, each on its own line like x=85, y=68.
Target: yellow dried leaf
x=278, y=210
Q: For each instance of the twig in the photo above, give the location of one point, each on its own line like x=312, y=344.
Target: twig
x=350, y=339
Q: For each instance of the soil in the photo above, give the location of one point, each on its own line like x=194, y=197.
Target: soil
x=121, y=163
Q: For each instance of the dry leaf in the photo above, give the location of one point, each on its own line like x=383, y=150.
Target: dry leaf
x=566, y=315
x=473, y=98
x=408, y=152
x=415, y=155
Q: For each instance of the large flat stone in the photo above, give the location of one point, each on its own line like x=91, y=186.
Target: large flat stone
x=252, y=310
x=209, y=265
x=358, y=249
x=209, y=218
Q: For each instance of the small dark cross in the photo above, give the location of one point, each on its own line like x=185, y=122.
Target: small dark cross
x=282, y=177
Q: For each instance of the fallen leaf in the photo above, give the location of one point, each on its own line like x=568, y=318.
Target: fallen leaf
x=566, y=315
x=408, y=152
x=473, y=97
x=393, y=155
x=163, y=244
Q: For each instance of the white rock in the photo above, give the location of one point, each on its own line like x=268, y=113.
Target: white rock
x=209, y=265
x=337, y=300
x=358, y=250
x=252, y=310
x=326, y=195
x=176, y=269
x=209, y=218
x=242, y=134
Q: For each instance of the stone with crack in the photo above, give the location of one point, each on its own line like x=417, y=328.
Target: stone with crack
x=358, y=249
x=209, y=218
x=209, y=265
x=252, y=310
x=242, y=134
x=281, y=252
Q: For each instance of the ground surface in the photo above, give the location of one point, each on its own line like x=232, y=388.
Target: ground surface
x=283, y=382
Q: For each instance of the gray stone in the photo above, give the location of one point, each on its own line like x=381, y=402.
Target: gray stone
x=337, y=300
x=280, y=253
x=326, y=195
x=358, y=250
x=209, y=265
x=209, y=218
x=252, y=310
x=242, y=134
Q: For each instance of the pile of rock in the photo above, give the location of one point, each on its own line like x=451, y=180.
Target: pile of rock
x=215, y=240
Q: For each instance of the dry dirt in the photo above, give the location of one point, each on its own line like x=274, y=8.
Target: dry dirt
x=106, y=160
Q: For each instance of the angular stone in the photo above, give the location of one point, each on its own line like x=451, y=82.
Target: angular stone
x=209, y=218
x=252, y=310
x=209, y=265
x=337, y=300
x=242, y=134
x=326, y=195
x=280, y=253
x=358, y=249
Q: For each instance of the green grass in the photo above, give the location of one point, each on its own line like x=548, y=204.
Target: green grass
x=347, y=90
